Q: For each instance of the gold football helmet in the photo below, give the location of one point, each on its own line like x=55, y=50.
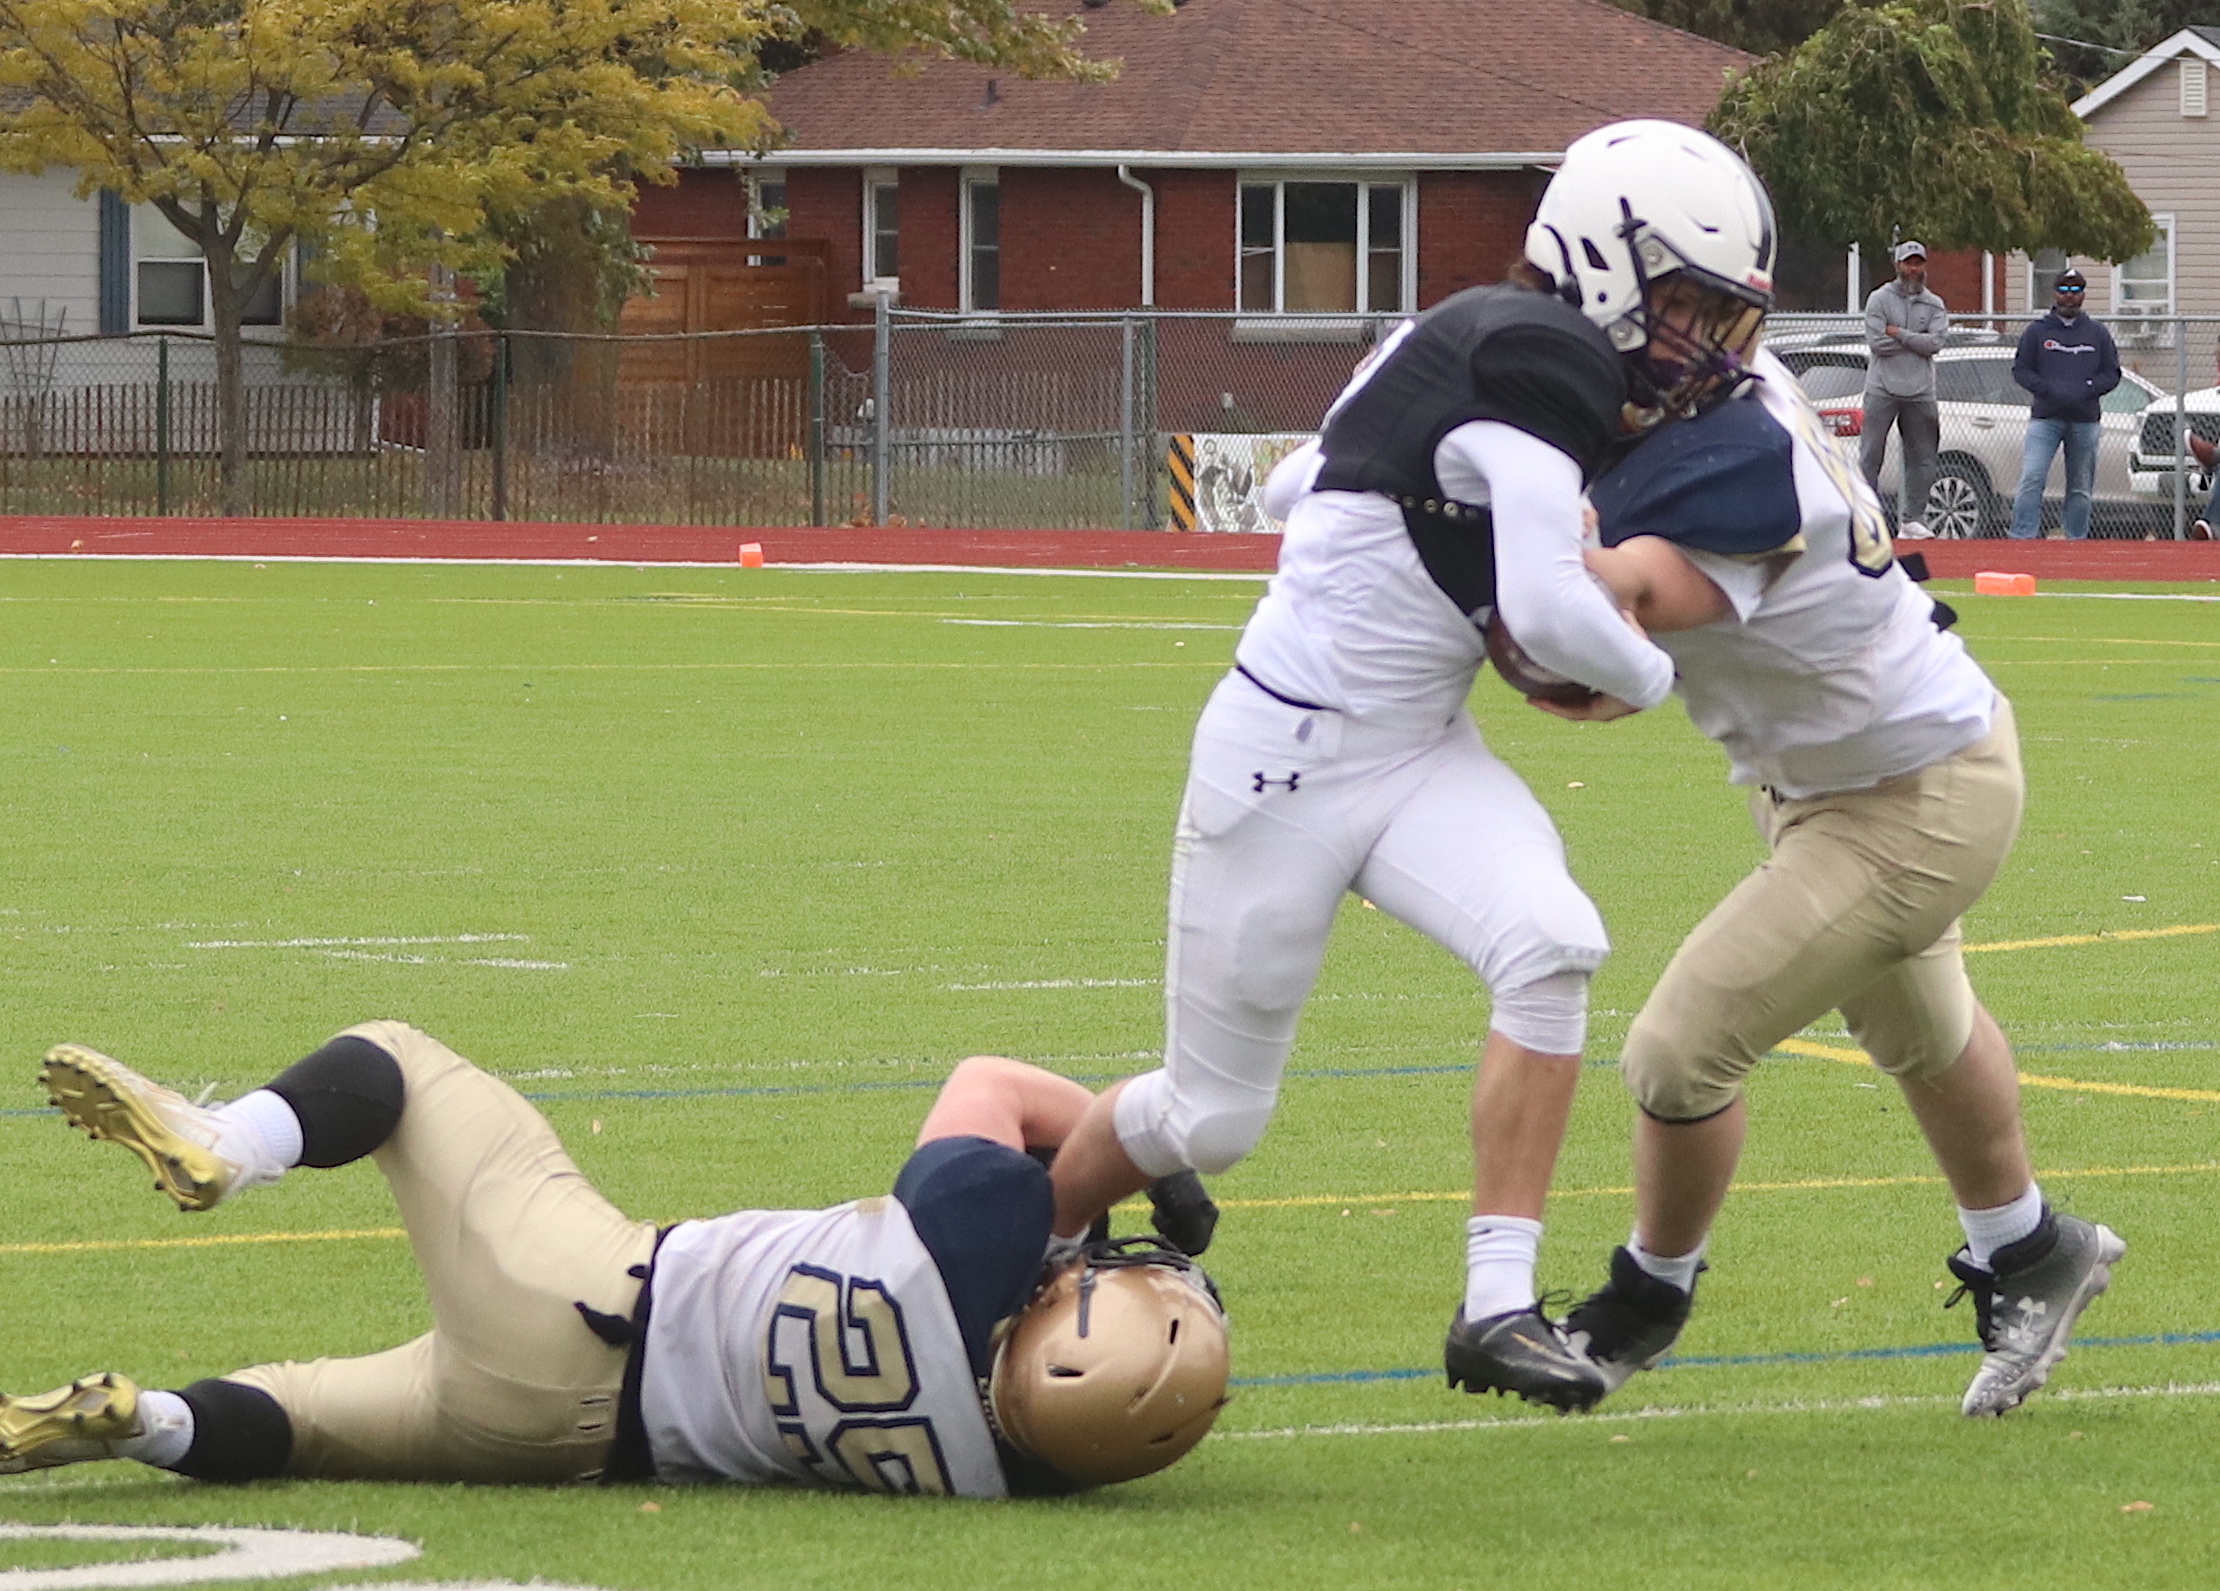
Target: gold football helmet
x=1117, y=1367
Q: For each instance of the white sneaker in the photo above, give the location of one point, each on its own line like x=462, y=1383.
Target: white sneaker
x=181, y=1142
x=1913, y=530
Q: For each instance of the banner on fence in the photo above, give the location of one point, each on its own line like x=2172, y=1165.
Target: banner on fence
x=1218, y=478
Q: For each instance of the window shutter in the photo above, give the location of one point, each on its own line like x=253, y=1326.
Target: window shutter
x=2193, y=81
x=114, y=272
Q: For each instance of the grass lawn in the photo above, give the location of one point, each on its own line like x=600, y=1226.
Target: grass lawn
x=726, y=869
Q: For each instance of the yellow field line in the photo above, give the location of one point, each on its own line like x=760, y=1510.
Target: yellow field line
x=1805, y=1185
x=99, y=1245
x=851, y=664
x=2103, y=640
x=2068, y=1085
x=1298, y=1202
x=2179, y=930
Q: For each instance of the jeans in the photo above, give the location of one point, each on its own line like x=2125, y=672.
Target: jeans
x=1919, y=423
x=2043, y=437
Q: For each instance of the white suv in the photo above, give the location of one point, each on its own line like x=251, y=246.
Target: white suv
x=1984, y=428
x=2151, y=461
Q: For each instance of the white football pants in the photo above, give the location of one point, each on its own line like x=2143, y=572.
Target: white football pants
x=1286, y=809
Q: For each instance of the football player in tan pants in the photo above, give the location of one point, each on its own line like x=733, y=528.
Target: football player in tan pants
x=915, y=1342
x=1888, y=789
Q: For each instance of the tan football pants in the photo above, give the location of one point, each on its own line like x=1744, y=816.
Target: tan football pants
x=1856, y=910
x=510, y=1384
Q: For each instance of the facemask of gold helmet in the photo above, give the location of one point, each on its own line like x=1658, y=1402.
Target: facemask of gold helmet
x=1117, y=1368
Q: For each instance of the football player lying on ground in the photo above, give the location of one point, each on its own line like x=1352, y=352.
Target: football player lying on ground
x=856, y=1346
x=1887, y=785
x=1339, y=755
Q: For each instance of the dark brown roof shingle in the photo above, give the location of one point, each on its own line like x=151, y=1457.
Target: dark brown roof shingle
x=1446, y=77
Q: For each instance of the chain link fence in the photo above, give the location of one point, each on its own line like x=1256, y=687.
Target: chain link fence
x=1146, y=419
x=2147, y=483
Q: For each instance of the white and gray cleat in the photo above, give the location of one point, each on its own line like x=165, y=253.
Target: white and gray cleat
x=2026, y=1306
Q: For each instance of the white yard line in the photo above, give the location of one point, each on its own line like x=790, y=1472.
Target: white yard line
x=2128, y=596
x=1074, y=624
x=1058, y=983
x=393, y=939
x=1691, y=1411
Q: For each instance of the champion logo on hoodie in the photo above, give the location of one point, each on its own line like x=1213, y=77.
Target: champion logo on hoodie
x=2053, y=345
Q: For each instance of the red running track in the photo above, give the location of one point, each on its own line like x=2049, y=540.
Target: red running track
x=1066, y=549
x=628, y=544
x=2071, y=560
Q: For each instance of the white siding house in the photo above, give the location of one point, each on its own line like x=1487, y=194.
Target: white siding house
x=2159, y=118
x=50, y=254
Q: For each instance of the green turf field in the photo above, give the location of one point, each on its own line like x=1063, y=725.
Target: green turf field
x=728, y=868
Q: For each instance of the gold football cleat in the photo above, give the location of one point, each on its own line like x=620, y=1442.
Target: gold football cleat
x=175, y=1137
x=70, y=1425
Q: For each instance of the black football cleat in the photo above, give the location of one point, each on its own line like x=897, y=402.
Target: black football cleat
x=1629, y=1323
x=1183, y=1212
x=1522, y=1352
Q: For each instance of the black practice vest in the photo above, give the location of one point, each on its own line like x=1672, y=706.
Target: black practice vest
x=1527, y=359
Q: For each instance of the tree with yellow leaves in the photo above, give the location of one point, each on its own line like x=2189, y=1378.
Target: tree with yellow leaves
x=396, y=136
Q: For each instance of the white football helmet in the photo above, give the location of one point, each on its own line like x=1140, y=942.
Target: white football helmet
x=1636, y=202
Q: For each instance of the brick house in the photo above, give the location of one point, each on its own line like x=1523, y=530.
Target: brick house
x=1271, y=157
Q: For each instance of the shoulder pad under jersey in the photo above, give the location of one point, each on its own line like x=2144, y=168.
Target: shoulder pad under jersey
x=1723, y=482
x=1546, y=371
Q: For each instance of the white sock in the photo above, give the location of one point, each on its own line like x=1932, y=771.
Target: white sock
x=1989, y=1230
x=1499, y=1264
x=1679, y=1269
x=260, y=1132
x=168, y=1433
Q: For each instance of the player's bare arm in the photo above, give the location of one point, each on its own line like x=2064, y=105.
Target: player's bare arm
x=1009, y=1102
x=1659, y=584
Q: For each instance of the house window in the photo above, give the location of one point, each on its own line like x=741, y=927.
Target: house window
x=2043, y=270
x=2193, y=85
x=767, y=212
x=1307, y=247
x=171, y=279
x=2143, y=290
x=982, y=240
x=767, y=205
x=882, y=229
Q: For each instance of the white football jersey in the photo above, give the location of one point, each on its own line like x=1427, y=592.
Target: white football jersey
x=811, y=1346
x=1831, y=674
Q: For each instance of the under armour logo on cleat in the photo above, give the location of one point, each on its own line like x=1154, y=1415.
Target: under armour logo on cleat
x=1290, y=781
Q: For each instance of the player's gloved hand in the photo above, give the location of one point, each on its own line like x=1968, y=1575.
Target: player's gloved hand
x=1183, y=1212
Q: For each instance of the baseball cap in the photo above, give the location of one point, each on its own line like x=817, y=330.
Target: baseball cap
x=2071, y=279
x=1909, y=250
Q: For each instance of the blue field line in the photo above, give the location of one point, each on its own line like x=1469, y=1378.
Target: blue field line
x=1099, y=1079
x=893, y=1085
x=1929, y=1350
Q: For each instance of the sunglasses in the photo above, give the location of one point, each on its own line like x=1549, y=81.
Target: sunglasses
x=2074, y=292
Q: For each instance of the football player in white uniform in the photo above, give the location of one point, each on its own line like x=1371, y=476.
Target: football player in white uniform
x=1886, y=782
x=871, y=1345
x=1339, y=755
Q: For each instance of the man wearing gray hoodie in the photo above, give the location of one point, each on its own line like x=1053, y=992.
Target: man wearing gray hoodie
x=1904, y=326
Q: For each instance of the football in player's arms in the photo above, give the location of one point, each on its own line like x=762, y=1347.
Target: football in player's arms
x=923, y=1342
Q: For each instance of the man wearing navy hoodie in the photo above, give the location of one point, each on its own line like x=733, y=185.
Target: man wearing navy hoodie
x=2067, y=363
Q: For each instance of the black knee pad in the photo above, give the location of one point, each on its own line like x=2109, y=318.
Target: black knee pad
x=348, y=1096
x=239, y=1433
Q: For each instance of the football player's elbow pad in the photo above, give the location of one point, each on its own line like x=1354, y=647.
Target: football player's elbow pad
x=1164, y=1130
